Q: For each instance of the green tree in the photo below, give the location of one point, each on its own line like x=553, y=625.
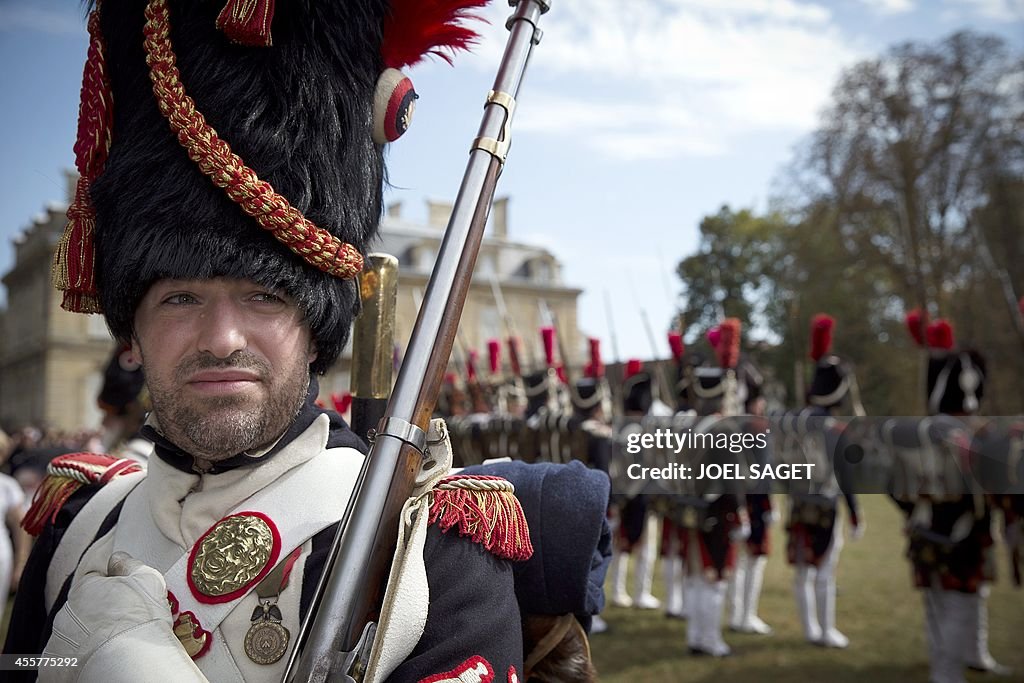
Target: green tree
x=732, y=270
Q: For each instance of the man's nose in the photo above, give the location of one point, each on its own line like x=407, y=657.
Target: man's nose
x=222, y=329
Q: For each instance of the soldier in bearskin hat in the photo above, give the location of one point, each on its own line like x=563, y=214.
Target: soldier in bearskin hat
x=949, y=530
x=815, y=532
x=636, y=529
x=744, y=592
x=589, y=428
x=231, y=160
x=713, y=519
x=124, y=402
x=674, y=576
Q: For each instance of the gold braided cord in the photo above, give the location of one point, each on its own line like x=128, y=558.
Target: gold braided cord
x=215, y=159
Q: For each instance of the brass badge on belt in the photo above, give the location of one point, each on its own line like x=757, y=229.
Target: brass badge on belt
x=231, y=556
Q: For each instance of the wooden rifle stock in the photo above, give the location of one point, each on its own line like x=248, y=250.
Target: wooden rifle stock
x=336, y=637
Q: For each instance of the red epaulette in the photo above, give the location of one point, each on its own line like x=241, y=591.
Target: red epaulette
x=66, y=474
x=485, y=510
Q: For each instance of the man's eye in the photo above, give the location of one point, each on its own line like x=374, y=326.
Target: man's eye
x=267, y=297
x=179, y=299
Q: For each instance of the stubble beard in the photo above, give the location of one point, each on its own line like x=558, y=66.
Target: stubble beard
x=219, y=428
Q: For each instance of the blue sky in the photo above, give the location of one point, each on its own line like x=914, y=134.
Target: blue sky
x=631, y=125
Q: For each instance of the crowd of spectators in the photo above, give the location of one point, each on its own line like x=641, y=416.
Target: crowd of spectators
x=24, y=455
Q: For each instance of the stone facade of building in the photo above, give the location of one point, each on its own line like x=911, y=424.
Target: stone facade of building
x=51, y=361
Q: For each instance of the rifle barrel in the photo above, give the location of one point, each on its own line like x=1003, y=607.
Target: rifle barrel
x=349, y=596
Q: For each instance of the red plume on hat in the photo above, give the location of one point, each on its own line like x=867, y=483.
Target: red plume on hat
x=821, y=335
x=595, y=368
x=416, y=28
x=341, y=402
x=916, y=323
x=939, y=335
x=633, y=366
x=675, y=343
x=547, y=335
x=494, y=355
x=728, y=349
x=715, y=337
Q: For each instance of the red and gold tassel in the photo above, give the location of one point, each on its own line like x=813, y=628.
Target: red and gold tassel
x=247, y=22
x=74, y=262
x=486, y=510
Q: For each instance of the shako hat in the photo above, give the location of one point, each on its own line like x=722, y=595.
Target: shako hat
x=830, y=383
x=241, y=139
x=637, y=388
x=123, y=384
x=589, y=391
x=956, y=377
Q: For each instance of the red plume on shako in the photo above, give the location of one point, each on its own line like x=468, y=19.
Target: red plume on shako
x=939, y=335
x=595, y=368
x=414, y=29
x=728, y=347
x=821, y=336
x=547, y=335
x=675, y=343
x=494, y=355
x=916, y=323
x=832, y=380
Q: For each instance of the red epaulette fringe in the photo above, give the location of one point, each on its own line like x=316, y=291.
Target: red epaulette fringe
x=486, y=510
x=66, y=474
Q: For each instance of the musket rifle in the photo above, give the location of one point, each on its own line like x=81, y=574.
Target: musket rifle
x=510, y=328
x=336, y=638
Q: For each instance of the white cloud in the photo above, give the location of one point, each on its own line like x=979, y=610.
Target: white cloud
x=678, y=76
x=1000, y=10
x=890, y=6
x=23, y=18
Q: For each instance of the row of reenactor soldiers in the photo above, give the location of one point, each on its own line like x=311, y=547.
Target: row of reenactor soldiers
x=952, y=473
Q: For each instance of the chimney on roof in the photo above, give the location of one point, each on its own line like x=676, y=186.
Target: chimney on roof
x=438, y=214
x=499, y=218
x=71, y=178
x=394, y=210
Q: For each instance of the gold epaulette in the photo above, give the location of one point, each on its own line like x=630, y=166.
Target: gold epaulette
x=485, y=510
x=66, y=474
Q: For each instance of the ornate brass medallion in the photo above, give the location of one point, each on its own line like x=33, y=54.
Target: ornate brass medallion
x=232, y=555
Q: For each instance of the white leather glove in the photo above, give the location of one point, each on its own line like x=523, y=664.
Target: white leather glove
x=118, y=627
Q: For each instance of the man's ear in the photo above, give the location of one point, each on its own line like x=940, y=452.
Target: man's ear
x=312, y=353
x=136, y=349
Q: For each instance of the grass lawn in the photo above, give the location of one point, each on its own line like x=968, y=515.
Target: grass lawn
x=877, y=608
